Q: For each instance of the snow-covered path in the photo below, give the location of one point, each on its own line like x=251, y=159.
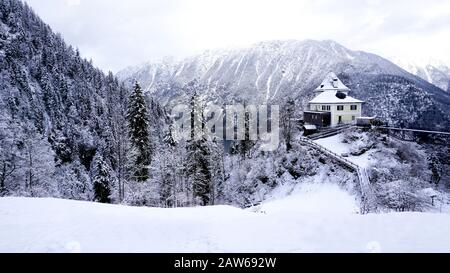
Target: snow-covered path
x=314, y=218
x=337, y=146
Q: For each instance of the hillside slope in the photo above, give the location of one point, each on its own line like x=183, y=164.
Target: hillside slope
x=58, y=112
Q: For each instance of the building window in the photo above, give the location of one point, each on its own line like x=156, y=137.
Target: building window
x=354, y=107
x=340, y=108
x=326, y=108
x=353, y=118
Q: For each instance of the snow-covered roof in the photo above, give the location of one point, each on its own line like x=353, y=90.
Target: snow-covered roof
x=310, y=127
x=332, y=97
x=332, y=82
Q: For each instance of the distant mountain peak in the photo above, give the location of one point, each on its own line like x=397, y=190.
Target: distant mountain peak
x=432, y=70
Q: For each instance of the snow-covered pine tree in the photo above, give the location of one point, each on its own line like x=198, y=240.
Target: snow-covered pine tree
x=168, y=138
x=198, y=156
x=138, y=125
x=245, y=146
x=102, y=179
x=198, y=170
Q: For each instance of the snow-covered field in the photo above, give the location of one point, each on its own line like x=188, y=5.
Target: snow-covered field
x=313, y=218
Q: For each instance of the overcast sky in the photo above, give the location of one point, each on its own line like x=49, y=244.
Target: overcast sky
x=120, y=33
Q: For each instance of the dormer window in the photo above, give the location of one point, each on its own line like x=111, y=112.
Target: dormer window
x=335, y=83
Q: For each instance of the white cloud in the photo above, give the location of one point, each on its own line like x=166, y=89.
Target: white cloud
x=118, y=33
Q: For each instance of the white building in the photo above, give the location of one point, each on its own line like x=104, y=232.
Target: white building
x=332, y=105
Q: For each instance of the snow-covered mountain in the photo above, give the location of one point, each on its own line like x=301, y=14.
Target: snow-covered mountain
x=266, y=71
x=273, y=71
x=433, y=71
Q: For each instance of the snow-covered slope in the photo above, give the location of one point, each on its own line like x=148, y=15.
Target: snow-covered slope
x=294, y=224
x=433, y=71
x=273, y=71
x=397, y=170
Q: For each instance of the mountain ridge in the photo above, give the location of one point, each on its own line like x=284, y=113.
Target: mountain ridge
x=272, y=71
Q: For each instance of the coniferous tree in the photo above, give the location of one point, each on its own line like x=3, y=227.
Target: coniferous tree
x=198, y=156
x=245, y=146
x=198, y=171
x=101, y=180
x=139, y=134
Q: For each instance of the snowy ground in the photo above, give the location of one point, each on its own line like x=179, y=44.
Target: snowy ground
x=314, y=218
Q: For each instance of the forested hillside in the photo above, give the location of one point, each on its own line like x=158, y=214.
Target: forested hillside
x=60, y=116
